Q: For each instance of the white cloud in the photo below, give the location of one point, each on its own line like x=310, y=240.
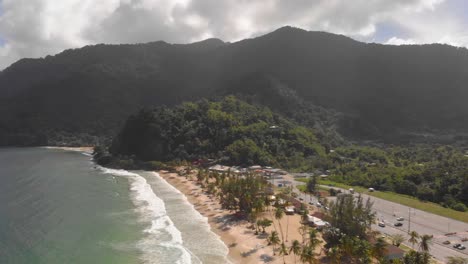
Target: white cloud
x=34, y=28
x=399, y=41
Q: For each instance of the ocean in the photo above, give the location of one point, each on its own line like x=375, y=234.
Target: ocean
x=57, y=206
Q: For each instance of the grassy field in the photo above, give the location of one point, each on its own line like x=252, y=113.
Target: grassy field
x=402, y=199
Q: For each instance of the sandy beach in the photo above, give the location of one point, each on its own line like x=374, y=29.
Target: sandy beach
x=238, y=235
x=88, y=150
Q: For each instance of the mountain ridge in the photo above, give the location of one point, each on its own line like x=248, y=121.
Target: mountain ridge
x=379, y=91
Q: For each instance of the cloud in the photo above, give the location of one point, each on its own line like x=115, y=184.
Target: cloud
x=399, y=41
x=35, y=28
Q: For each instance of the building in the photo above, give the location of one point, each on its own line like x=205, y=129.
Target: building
x=316, y=222
x=219, y=168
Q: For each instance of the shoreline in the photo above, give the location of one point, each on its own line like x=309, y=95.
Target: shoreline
x=88, y=150
x=243, y=245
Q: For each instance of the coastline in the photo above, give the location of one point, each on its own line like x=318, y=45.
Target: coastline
x=88, y=150
x=244, y=246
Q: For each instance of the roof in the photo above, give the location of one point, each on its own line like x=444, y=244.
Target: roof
x=316, y=221
x=218, y=167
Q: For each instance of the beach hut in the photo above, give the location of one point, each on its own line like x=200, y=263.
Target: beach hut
x=289, y=210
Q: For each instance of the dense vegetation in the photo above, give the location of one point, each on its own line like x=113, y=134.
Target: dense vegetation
x=233, y=132
x=361, y=91
x=431, y=173
x=230, y=131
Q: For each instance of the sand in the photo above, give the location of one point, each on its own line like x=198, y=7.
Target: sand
x=244, y=246
x=88, y=150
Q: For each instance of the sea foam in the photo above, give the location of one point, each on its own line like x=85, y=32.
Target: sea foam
x=162, y=242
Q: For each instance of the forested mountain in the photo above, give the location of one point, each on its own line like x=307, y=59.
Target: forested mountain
x=230, y=131
x=233, y=132
x=325, y=81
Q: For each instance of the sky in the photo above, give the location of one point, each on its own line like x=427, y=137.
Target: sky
x=36, y=28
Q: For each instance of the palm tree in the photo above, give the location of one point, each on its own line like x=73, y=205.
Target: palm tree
x=426, y=240
x=397, y=239
x=334, y=254
x=313, y=240
x=414, y=257
x=279, y=213
x=274, y=240
x=378, y=250
x=303, y=231
x=457, y=260
x=414, y=236
x=283, y=251
x=308, y=255
x=295, y=249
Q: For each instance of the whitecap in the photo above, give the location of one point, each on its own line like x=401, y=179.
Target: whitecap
x=162, y=236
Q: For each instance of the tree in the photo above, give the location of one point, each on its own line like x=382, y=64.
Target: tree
x=426, y=240
x=303, y=230
x=274, y=240
x=283, y=251
x=295, y=249
x=379, y=248
x=351, y=217
x=457, y=260
x=308, y=255
x=397, y=239
x=414, y=257
x=313, y=239
x=311, y=184
x=414, y=237
x=334, y=254
x=264, y=223
x=279, y=213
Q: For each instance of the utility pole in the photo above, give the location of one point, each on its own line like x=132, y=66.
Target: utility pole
x=409, y=220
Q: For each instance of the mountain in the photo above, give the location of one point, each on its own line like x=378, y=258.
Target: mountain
x=330, y=82
x=228, y=130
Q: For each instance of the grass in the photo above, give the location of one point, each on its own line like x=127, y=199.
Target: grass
x=402, y=199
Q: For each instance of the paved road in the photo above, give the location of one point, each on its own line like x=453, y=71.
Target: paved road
x=419, y=221
x=423, y=223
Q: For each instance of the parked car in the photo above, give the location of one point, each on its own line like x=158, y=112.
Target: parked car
x=371, y=189
x=400, y=218
x=459, y=246
x=398, y=224
x=319, y=204
x=446, y=242
x=381, y=224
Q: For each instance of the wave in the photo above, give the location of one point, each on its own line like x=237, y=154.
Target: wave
x=210, y=239
x=162, y=239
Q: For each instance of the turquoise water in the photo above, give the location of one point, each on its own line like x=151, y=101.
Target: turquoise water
x=58, y=207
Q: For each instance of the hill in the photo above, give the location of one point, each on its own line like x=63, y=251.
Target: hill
x=230, y=131
x=336, y=85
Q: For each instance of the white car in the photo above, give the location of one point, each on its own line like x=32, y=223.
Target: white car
x=381, y=224
x=400, y=218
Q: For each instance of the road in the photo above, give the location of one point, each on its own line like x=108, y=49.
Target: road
x=417, y=220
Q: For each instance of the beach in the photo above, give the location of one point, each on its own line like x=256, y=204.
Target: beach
x=88, y=150
x=238, y=235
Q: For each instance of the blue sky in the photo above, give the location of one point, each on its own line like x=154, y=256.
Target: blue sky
x=388, y=30
x=36, y=28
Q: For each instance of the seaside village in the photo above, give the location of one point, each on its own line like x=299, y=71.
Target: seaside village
x=267, y=215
